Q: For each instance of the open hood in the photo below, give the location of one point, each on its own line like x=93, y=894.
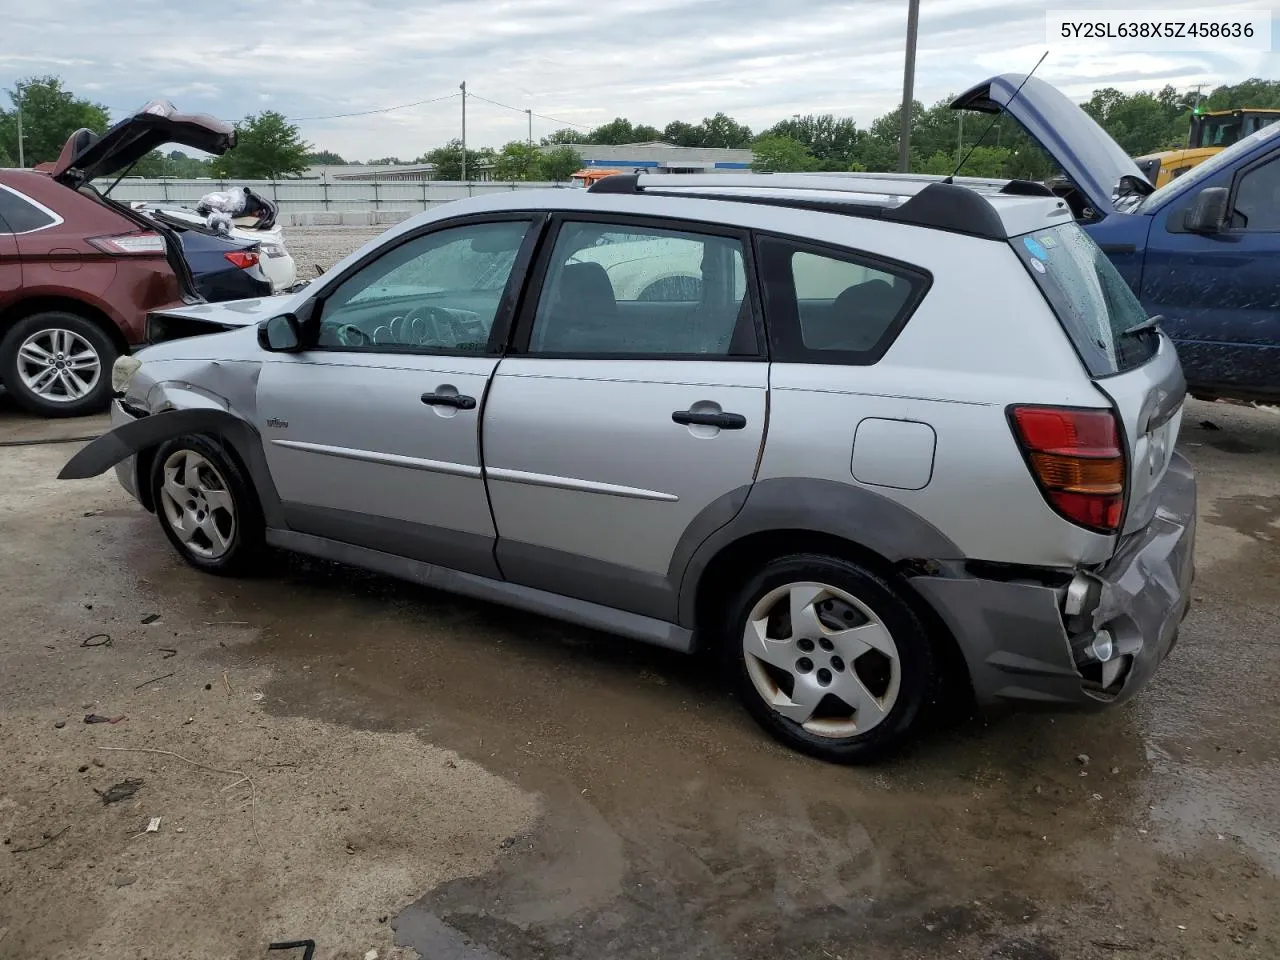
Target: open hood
x=87, y=156
x=1073, y=139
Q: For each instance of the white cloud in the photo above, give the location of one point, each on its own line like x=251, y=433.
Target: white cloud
x=758, y=60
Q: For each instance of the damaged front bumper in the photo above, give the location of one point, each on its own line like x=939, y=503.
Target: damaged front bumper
x=1087, y=639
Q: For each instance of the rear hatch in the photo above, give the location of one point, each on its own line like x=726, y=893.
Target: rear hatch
x=1127, y=357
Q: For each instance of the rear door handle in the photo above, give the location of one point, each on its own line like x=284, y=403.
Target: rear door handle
x=725, y=421
x=459, y=401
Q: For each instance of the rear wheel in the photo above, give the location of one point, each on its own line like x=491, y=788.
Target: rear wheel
x=58, y=364
x=206, y=507
x=829, y=658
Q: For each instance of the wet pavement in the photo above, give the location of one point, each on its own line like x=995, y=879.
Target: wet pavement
x=668, y=825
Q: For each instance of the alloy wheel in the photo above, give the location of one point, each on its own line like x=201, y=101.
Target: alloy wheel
x=198, y=504
x=820, y=657
x=59, y=365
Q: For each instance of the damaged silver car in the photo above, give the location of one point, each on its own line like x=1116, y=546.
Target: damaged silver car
x=858, y=436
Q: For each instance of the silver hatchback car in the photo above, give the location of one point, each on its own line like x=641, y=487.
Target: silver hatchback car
x=858, y=435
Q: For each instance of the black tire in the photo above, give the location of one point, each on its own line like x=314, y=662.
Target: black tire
x=917, y=668
x=49, y=405
x=243, y=535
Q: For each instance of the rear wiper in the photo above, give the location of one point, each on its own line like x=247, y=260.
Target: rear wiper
x=1151, y=323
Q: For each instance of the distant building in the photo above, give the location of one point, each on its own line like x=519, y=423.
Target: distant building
x=659, y=157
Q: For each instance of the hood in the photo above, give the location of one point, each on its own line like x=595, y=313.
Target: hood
x=1073, y=139
x=178, y=322
x=87, y=156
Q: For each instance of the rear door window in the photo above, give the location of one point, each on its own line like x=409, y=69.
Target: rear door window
x=18, y=214
x=829, y=306
x=1092, y=301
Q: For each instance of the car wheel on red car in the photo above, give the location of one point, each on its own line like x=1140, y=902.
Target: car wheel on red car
x=57, y=364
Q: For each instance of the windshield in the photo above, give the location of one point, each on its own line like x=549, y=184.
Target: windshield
x=1093, y=303
x=1198, y=174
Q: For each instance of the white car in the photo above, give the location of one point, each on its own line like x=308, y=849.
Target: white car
x=276, y=263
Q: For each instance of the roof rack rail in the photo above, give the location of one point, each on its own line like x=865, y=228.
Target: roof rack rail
x=934, y=202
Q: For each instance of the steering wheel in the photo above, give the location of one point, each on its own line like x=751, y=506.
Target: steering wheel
x=430, y=326
x=349, y=335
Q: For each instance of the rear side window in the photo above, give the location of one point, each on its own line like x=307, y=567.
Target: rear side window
x=826, y=306
x=1093, y=303
x=20, y=215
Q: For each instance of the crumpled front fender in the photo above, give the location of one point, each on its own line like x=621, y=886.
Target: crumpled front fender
x=100, y=455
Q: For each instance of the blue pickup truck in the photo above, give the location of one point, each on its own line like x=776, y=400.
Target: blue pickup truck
x=1203, y=251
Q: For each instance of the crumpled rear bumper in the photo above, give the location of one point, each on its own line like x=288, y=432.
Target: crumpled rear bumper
x=1020, y=644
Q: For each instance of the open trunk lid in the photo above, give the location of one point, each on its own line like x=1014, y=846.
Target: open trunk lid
x=1086, y=153
x=1129, y=360
x=87, y=156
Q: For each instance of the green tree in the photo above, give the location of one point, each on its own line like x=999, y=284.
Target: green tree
x=516, y=161
x=187, y=168
x=774, y=154
x=154, y=164
x=833, y=141
x=268, y=147
x=447, y=161
x=683, y=134
x=386, y=162
x=724, y=132
x=1142, y=122
x=564, y=135
x=50, y=114
x=559, y=164
x=325, y=158
x=1254, y=92
x=616, y=131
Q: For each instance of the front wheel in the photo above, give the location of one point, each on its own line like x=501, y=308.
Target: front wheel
x=206, y=507
x=829, y=658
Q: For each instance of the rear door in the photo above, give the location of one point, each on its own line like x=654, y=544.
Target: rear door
x=1136, y=368
x=631, y=409
x=1219, y=292
x=10, y=265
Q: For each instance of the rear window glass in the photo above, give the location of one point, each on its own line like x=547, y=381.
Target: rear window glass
x=20, y=215
x=1091, y=299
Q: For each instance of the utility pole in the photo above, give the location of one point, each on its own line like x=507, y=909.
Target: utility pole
x=1195, y=110
x=908, y=84
x=529, y=111
x=22, y=160
x=463, y=88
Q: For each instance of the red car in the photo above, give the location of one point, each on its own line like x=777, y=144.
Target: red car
x=78, y=271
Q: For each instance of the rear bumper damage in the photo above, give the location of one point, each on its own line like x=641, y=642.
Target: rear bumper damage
x=1085, y=640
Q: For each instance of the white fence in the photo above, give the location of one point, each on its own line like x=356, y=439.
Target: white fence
x=319, y=196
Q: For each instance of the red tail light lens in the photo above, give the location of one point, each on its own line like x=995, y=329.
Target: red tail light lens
x=244, y=259
x=1076, y=458
x=144, y=243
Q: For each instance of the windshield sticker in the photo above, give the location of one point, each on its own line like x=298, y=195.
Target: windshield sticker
x=1034, y=248
x=1047, y=241
x=1037, y=265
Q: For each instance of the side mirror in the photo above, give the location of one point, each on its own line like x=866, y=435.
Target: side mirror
x=1208, y=214
x=282, y=334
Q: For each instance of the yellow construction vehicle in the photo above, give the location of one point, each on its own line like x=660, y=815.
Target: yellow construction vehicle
x=1211, y=132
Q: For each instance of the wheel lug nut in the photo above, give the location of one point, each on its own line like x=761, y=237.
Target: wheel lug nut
x=826, y=645
x=824, y=677
x=804, y=664
x=806, y=646
x=837, y=664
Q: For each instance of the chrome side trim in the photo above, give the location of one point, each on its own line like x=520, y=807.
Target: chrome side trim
x=389, y=459
x=572, y=483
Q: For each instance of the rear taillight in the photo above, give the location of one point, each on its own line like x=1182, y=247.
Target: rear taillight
x=1076, y=458
x=145, y=243
x=244, y=259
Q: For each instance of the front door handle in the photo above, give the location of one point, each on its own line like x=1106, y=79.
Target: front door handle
x=725, y=421
x=459, y=401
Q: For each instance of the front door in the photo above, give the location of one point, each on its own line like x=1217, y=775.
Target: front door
x=1219, y=293
x=372, y=434
x=632, y=410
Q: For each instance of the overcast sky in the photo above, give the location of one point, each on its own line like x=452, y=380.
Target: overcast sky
x=584, y=61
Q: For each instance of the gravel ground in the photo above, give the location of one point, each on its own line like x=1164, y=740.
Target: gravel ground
x=325, y=245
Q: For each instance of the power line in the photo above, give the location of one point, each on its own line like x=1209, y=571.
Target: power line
x=507, y=106
x=366, y=113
